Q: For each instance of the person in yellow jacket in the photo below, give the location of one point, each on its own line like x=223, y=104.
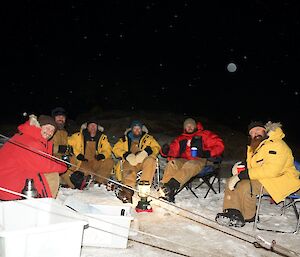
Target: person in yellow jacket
x=92, y=154
x=137, y=150
x=60, y=148
x=60, y=142
x=269, y=163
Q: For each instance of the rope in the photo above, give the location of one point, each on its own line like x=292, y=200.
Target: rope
x=185, y=210
x=13, y=192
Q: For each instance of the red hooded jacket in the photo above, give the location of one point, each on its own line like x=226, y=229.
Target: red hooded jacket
x=181, y=146
x=19, y=163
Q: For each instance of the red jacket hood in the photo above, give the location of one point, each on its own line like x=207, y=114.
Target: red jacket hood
x=31, y=131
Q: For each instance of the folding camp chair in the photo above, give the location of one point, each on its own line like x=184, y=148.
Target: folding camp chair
x=293, y=200
x=208, y=175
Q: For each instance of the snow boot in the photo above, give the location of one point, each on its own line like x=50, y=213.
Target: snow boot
x=168, y=190
x=252, y=219
x=79, y=180
x=230, y=217
x=125, y=195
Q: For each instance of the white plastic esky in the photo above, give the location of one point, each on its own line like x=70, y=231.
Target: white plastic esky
x=168, y=232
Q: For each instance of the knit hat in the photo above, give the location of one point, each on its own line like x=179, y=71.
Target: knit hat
x=189, y=121
x=136, y=123
x=254, y=124
x=45, y=119
x=92, y=120
x=58, y=111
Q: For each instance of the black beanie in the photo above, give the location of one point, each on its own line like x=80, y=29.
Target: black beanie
x=254, y=124
x=92, y=120
x=58, y=111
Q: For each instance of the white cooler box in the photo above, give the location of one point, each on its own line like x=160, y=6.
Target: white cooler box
x=39, y=228
x=108, y=224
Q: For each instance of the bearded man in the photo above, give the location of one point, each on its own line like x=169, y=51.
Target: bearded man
x=269, y=163
x=60, y=142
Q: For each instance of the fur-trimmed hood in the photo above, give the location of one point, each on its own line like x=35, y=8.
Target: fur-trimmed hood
x=144, y=129
x=273, y=130
x=32, y=128
x=84, y=126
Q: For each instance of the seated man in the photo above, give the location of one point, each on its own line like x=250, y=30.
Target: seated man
x=183, y=164
x=59, y=140
x=138, y=150
x=270, y=163
x=92, y=152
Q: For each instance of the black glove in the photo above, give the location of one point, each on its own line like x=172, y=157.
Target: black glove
x=204, y=154
x=80, y=157
x=100, y=157
x=62, y=148
x=77, y=178
x=148, y=150
x=126, y=154
x=165, y=150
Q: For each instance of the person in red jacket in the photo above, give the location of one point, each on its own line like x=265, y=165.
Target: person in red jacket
x=27, y=155
x=187, y=155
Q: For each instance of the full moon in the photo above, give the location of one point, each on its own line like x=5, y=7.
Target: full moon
x=231, y=67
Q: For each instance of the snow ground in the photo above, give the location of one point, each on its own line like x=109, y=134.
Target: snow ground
x=172, y=231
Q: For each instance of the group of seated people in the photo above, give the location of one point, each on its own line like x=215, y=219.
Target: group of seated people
x=40, y=144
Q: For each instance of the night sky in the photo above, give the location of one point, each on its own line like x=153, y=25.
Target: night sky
x=153, y=55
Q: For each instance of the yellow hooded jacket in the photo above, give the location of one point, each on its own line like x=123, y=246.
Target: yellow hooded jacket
x=122, y=146
x=272, y=164
x=76, y=140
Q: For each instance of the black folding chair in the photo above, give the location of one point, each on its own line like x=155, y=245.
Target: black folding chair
x=208, y=175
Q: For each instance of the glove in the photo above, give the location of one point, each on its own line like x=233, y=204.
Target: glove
x=237, y=168
x=232, y=182
x=126, y=154
x=165, y=150
x=99, y=157
x=131, y=158
x=204, y=154
x=148, y=150
x=80, y=157
x=141, y=156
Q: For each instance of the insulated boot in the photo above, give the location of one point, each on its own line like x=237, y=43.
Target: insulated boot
x=168, y=190
x=79, y=180
x=230, y=217
x=125, y=195
x=252, y=219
